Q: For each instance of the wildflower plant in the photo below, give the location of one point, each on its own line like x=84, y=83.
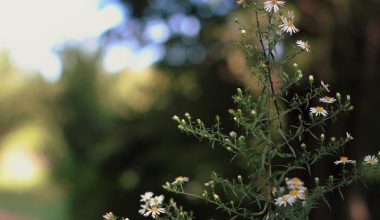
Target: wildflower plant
x=271, y=148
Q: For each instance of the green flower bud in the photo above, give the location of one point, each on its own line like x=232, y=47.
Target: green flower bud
x=240, y=179
x=311, y=79
x=316, y=179
x=322, y=137
x=331, y=178
x=176, y=118
x=303, y=146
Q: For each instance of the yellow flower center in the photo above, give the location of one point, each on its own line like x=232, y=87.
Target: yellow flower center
x=290, y=23
x=154, y=208
x=327, y=98
x=319, y=109
x=293, y=192
x=179, y=179
x=296, y=179
x=343, y=159
x=274, y=2
x=372, y=161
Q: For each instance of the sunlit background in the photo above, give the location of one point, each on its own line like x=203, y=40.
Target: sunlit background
x=88, y=89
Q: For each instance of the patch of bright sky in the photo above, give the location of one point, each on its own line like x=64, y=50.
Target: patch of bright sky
x=30, y=30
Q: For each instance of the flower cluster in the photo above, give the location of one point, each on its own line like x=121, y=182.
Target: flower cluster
x=152, y=205
x=319, y=110
x=296, y=192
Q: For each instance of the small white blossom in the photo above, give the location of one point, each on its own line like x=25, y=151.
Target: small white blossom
x=272, y=5
x=318, y=111
x=154, y=211
x=370, y=159
x=326, y=86
x=143, y=210
x=156, y=201
x=343, y=160
x=284, y=200
x=303, y=44
x=327, y=99
x=348, y=136
x=180, y=180
x=108, y=216
x=146, y=197
x=288, y=24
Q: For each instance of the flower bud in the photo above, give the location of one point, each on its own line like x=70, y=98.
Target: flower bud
x=333, y=139
x=331, y=178
x=243, y=32
x=239, y=91
x=240, y=179
x=204, y=193
x=241, y=138
x=311, y=79
x=295, y=65
x=183, y=121
x=348, y=97
x=322, y=137
x=233, y=134
x=338, y=96
x=176, y=118
x=351, y=108
x=316, y=179
x=236, y=20
x=303, y=146
x=253, y=112
x=216, y=197
x=199, y=121
x=187, y=115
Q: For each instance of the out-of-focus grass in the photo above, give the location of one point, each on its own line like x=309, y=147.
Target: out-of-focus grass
x=45, y=203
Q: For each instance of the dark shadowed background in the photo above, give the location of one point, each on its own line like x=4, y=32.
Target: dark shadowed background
x=100, y=134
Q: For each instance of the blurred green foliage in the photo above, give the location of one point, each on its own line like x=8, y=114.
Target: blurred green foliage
x=106, y=139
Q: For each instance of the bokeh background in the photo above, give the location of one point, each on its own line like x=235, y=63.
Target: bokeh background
x=88, y=89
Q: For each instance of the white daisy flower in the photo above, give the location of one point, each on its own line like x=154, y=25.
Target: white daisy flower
x=295, y=183
x=326, y=86
x=272, y=5
x=143, y=210
x=284, y=200
x=154, y=211
x=108, y=216
x=327, y=99
x=370, y=159
x=288, y=24
x=146, y=197
x=343, y=160
x=303, y=44
x=348, y=136
x=180, y=180
x=156, y=201
x=297, y=194
x=318, y=111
